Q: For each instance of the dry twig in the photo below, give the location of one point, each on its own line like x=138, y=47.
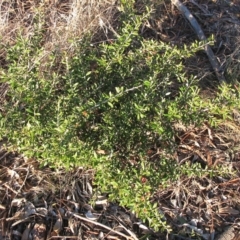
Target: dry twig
x=104, y=226
x=214, y=62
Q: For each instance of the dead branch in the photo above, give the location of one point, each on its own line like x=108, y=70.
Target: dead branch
x=103, y=226
x=213, y=60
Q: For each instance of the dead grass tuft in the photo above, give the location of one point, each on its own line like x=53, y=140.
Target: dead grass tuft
x=63, y=20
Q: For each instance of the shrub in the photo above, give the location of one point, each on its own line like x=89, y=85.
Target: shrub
x=101, y=107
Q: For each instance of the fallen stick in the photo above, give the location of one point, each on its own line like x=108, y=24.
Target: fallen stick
x=103, y=226
x=213, y=60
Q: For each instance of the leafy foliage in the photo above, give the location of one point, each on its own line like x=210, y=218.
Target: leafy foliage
x=118, y=98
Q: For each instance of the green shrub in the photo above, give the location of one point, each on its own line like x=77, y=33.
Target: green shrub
x=110, y=96
x=119, y=98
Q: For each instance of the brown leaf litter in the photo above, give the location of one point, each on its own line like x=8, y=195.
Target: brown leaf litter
x=220, y=19
x=40, y=203
x=45, y=204
x=205, y=205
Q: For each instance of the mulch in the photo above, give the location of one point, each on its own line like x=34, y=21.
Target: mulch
x=40, y=203
x=219, y=19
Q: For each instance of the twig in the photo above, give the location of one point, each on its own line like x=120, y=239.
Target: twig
x=4, y=155
x=206, y=12
x=214, y=62
x=101, y=225
x=64, y=237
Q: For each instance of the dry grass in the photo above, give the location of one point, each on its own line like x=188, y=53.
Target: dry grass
x=233, y=63
x=64, y=20
x=63, y=23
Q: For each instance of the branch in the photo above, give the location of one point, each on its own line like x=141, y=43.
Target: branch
x=213, y=60
x=103, y=226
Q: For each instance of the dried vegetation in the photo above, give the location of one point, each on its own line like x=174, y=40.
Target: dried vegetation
x=42, y=203
x=217, y=18
x=202, y=204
